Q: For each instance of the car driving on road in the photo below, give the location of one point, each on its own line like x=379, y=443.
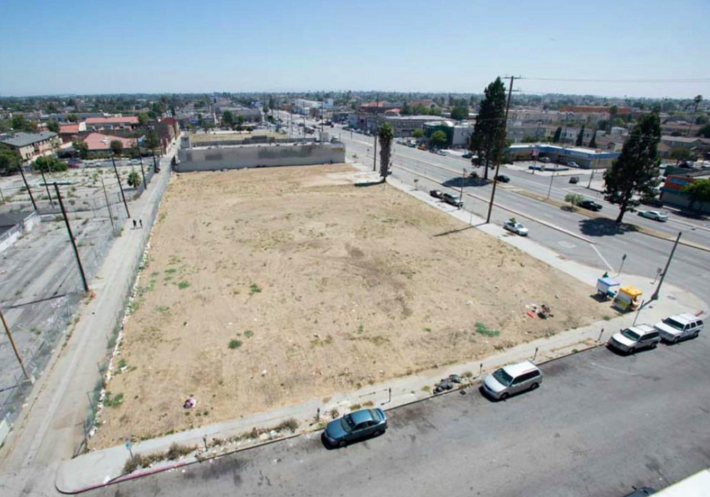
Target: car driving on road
x=629, y=340
x=591, y=205
x=503, y=178
x=512, y=379
x=680, y=327
x=655, y=215
x=355, y=426
x=515, y=227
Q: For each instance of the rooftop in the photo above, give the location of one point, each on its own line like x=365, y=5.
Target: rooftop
x=99, y=141
x=24, y=139
x=112, y=120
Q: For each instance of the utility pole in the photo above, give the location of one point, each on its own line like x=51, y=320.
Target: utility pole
x=108, y=205
x=463, y=179
x=502, y=139
x=71, y=238
x=22, y=172
x=377, y=124
x=51, y=203
x=14, y=347
x=665, y=271
x=118, y=178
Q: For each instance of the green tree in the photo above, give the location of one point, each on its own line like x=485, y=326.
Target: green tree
x=385, y=135
x=81, y=148
x=573, y=199
x=680, y=154
x=558, y=134
x=143, y=118
x=116, y=147
x=19, y=123
x=151, y=140
x=50, y=164
x=134, y=179
x=698, y=192
x=701, y=120
x=580, y=137
x=9, y=160
x=704, y=131
x=593, y=141
x=613, y=111
x=418, y=133
x=53, y=126
x=459, y=113
x=489, y=131
x=634, y=173
x=73, y=118
x=438, y=139
x=228, y=118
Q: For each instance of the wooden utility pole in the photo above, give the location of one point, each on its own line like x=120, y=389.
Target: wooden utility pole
x=108, y=206
x=665, y=271
x=140, y=157
x=118, y=178
x=71, y=238
x=502, y=139
x=14, y=347
x=377, y=123
x=22, y=172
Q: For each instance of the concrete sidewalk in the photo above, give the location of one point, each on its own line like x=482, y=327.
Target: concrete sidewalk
x=100, y=467
x=50, y=428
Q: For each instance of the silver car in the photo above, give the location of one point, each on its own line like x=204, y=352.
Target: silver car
x=516, y=228
x=639, y=337
x=512, y=379
x=680, y=327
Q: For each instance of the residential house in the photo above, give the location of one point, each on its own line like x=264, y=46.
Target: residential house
x=71, y=132
x=32, y=145
x=98, y=143
x=111, y=123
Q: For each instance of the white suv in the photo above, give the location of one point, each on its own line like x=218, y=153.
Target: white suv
x=680, y=327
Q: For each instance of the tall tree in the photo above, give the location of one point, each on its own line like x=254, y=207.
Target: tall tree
x=50, y=164
x=698, y=192
x=704, y=131
x=680, y=154
x=459, y=113
x=73, y=118
x=143, y=118
x=228, y=118
x=438, y=139
x=53, y=126
x=385, y=135
x=558, y=134
x=634, y=173
x=418, y=133
x=487, y=139
x=9, y=160
x=593, y=141
x=81, y=148
x=116, y=147
x=580, y=137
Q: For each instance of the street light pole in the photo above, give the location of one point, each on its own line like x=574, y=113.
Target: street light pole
x=463, y=179
x=665, y=271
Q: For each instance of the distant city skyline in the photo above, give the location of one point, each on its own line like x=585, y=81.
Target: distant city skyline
x=609, y=49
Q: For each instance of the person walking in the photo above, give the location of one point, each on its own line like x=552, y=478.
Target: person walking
x=141, y=223
x=134, y=224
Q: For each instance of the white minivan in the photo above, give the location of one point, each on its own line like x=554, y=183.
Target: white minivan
x=512, y=379
x=679, y=327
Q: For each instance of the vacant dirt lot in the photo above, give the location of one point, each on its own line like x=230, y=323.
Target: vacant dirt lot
x=268, y=287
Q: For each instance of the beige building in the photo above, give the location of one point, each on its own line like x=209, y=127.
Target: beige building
x=31, y=145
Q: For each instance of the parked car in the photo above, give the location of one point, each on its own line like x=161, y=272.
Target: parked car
x=441, y=152
x=503, y=178
x=655, y=215
x=454, y=200
x=629, y=340
x=591, y=205
x=516, y=228
x=467, y=155
x=512, y=379
x=574, y=180
x=355, y=426
x=680, y=327
x=572, y=164
x=436, y=193
x=544, y=160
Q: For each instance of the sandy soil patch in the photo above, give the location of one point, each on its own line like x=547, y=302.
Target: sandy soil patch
x=269, y=287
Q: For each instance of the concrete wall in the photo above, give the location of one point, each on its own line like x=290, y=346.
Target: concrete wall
x=216, y=158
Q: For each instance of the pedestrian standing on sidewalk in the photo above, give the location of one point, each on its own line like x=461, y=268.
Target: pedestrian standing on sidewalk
x=141, y=223
x=134, y=224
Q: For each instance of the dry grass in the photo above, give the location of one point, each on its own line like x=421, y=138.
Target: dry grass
x=339, y=286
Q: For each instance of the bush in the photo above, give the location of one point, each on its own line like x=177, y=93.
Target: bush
x=481, y=329
x=235, y=344
x=290, y=424
x=573, y=199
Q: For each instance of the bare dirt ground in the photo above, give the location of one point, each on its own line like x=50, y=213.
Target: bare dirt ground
x=268, y=287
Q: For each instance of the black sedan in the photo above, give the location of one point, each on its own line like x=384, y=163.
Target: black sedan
x=436, y=194
x=355, y=426
x=591, y=205
x=503, y=178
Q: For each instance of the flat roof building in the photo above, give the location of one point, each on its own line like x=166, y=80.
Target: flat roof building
x=585, y=158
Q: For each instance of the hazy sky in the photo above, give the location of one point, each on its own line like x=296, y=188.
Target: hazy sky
x=126, y=46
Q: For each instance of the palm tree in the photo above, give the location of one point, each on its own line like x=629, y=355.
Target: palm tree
x=386, y=135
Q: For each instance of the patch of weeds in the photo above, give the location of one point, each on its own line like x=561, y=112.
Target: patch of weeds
x=290, y=424
x=607, y=318
x=355, y=407
x=248, y=334
x=170, y=270
x=468, y=374
x=121, y=364
x=369, y=403
x=334, y=413
x=111, y=401
x=575, y=351
x=35, y=330
x=183, y=284
x=162, y=309
x=161, y=218
x=426, y=388
x=481, y=329
x=427, y=329
x=235, y=344
x=155, y=273
x=254, y=288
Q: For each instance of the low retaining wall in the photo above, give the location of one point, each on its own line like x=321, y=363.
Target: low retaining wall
x=217, y=158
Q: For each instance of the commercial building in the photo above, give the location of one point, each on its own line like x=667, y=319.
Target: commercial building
x=458, y=135
x=308, y=107
x=99, y=143
x=404, y=126
x=71, y=132
x=31, y=145
x=585, y=158
x=671, y=191
x=111, y=123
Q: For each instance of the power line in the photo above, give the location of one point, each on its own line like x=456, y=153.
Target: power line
x=593, y=80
